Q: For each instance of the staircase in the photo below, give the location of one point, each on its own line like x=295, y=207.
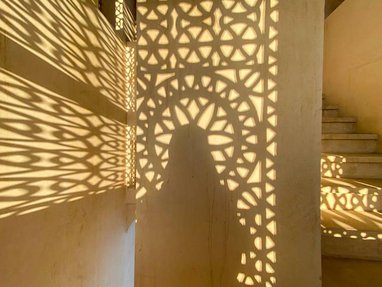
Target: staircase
x=351, y=189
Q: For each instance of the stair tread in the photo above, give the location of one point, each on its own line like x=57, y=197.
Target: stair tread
x=330, y=107
x=339, y=120
x=352, y=136
x=349, y=220
x=348, y=185
x=353, y=157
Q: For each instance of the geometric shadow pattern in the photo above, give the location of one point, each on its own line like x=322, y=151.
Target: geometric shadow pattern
x=66, y=118
x=213, y=65
x=125, y=20
x=52, y=150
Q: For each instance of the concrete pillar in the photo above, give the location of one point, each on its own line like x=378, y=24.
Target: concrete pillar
x=229, y=143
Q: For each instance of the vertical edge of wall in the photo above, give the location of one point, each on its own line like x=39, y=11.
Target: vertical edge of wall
x=130, y=194
x=301, y=56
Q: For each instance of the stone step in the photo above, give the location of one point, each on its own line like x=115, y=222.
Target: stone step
x=351, y=194
x=352, y=234
x=351, y=165
x=340, y=272
x=338, y=125
x=349, y=143
x=330, y=111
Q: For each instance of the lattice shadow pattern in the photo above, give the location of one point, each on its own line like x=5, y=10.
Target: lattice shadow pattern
x=63, y=117
x=208, y=69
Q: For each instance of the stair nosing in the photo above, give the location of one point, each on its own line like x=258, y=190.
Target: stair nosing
x=354, y=157
x=339, y=120
x=349, y=136
x=360, y=220
x=352, y=186
x=330, y=107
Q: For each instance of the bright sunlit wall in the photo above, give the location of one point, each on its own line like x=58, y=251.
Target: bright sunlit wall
x=66, y=146
x=228, y=143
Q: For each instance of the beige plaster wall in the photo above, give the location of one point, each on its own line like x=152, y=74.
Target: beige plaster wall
x=228, y=143
x=353, y=62
x=63, y=217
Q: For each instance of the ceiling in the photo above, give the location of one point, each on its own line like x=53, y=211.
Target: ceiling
x=331, y=5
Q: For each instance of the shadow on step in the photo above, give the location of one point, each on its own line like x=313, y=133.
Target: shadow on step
x=352, y=234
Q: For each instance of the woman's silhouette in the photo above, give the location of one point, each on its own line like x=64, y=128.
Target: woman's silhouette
x=190, y=215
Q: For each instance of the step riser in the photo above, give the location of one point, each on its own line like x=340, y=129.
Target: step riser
x=330, y=113
x=348, y=146
x=338, y=128
x=351, y=170
x=352, y=248
x=340, y=199
x=356, y=202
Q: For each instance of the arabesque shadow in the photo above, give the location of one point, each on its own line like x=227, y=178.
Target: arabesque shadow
x=207, y=80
